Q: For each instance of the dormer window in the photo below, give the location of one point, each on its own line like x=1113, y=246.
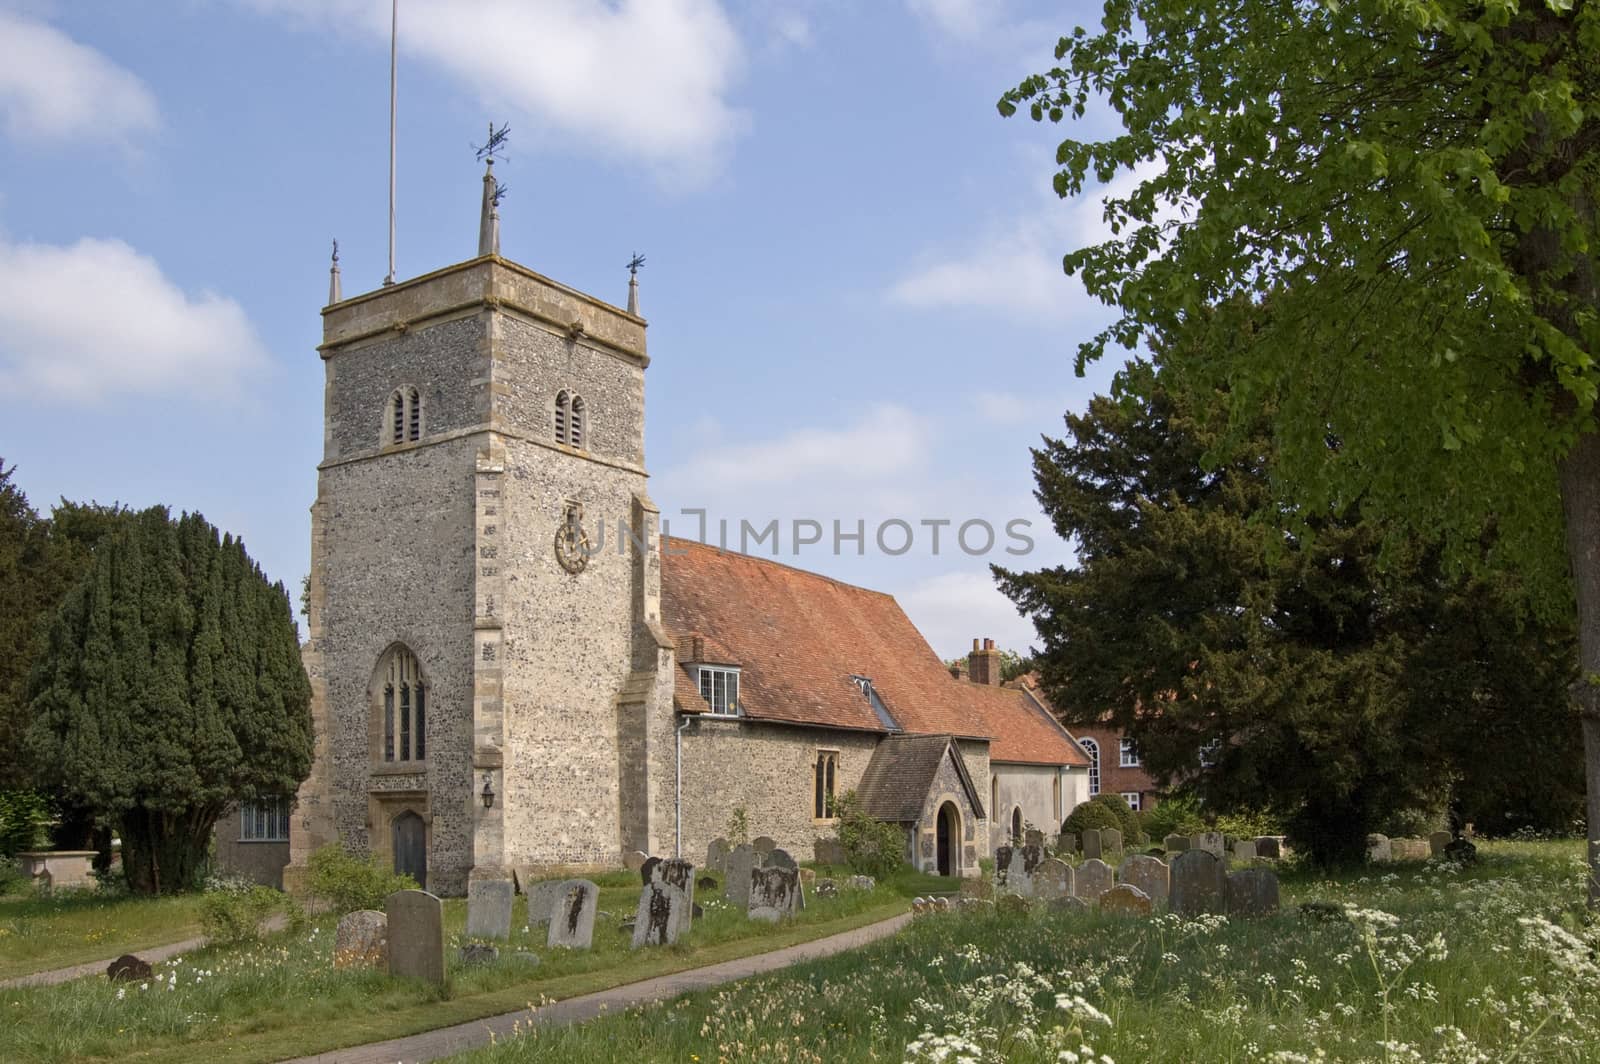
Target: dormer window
x=719, y=686
x=404, y=421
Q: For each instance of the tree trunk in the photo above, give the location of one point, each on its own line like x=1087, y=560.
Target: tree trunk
x=165, y=853
x=1580, y=500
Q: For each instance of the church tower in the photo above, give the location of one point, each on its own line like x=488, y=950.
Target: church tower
x=485, y=646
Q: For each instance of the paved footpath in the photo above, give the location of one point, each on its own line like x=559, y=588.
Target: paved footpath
x=153, y=955
x=431, y=1045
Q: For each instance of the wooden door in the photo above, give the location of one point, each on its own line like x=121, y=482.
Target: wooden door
x=410, y=844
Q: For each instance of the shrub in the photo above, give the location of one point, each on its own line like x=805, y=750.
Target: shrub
x=348, y=882
x=231, y=916
x=738, y=830
x=23, y=818
x=1249, y=824
x=1097, y=815
x=1177, y=815
x=12, y=881
x=871, y=847
x=1128, y=821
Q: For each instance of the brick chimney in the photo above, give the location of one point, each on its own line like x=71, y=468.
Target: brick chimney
x=983, y=664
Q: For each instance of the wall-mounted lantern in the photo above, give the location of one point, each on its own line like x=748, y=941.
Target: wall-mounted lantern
x=488, y=790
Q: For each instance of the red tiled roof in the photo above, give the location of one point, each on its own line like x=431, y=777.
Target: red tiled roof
x=799, y=638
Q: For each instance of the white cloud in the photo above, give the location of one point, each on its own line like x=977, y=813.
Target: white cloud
x=641, y=79
x=957, y=18
x=885, y=441
x=54, y=89
x=953, y=608
x=82, y=322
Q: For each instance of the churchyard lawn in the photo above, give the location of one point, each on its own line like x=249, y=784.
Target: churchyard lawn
x=1409, y=963
x=69, y=927
x=283, y=997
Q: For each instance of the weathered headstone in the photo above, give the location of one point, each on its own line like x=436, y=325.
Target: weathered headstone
x=1094, y=877
x=1110, y=840
x=1052, y=879
x=736, y=885
x=705, y=883
x=779, y=859
x=717, y=855
x=774, y=893
x=1198, y=884
x=666, y=905
x=1175, y=843
x=1149, y=874
x=542, y=899
x=489, y=908
x=474, y=954
x=1437, y=842
x=861, y=883
x=1378, y=848
x=1417, y=850
x=1209, y=841
x=415, y=920
x=1033, y=837
x=1012, y=903
x=361, y=940
x=1125, y=899
x=634, y=860
x=572, y=915
x=1269, y=846
x=1245, y=850
x=764, y=844
x=1252, y=892
x=1461, y=852
x=1073, y=904
x=1092, y=843
x=1018, y=864
x=648, y=870
x=524, y=877
x=829, y=851
x=1067, y=842
x=976, y=887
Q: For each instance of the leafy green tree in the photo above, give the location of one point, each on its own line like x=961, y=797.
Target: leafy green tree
x=1416, y=181
x=1305, y=674
x=170, y=688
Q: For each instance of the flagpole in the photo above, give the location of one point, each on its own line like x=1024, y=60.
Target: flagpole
x=394, y=34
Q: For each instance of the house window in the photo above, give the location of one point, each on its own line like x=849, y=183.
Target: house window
x=405, y=416
x=827, y=767
x=720, y=689
x=1092, y=748
x=264, y=820
x=1132, y=798
x=1130, y=754
x=405, y=709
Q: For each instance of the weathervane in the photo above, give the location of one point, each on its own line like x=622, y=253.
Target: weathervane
x=336, y=253
x=491, y=150
x=634, y=264
x=633, y=283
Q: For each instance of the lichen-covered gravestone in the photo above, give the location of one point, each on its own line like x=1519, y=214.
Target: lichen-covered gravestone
x=1067, y=842
x=1033, y=837
x=489, y=908
x=572, y=915
x=1125, y=899
x=1052, y=879
x=779, y=859
x=415, y=920
x=1269, y=846
x=1093, y=879
x=1211, y=842
x=741, y=860
x=774, y=893
x=666, y=905
x=1110, y=840
x=1252, y=892
x=764, y=844
x=1245, y=850
x=1199, y=883
x=1149, y=874
x=1018, y=864
x=717, y=855
x=1093, y=845
x=542, y=899
x=647, y=870
x=1378, y=848
x=1437, y=842
x=1175, y=843
x=361, y=940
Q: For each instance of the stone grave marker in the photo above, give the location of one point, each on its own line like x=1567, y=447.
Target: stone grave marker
x=541, y=900
x=829, y=851
x=1378, y=848
x=705, y=883
x=1252, y=892
x=1067, y=842
x=666, y=905
x=736, y=888
x=774, y=893
x=1073, y=904
x=1437, y=842
x=572, y=915
x=1018, y=863
x=717, y=855
x=1125, y=899
x=1461, y=851
x=524, y=877
x=764, y=844
x=1052, y=879
x=1269, y=846
x=1033, y=837
x=779, y=859
x=648, y=869
x=361, y=940
x=975, y=887
x=1209, y=841
x=1245, y=849
x=1199, y=883
x=489, y=908
x=1093, y=843
x=1110, y=840
x=1094, y=877
x=415, y=921
x=1149, y=874
x=1175, y=843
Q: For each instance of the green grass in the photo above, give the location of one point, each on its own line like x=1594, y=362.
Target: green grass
x=283, y=998
x=68, y=927
x=1458, y=978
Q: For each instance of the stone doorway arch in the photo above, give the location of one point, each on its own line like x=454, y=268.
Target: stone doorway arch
x=408, y=840
x=948, y=845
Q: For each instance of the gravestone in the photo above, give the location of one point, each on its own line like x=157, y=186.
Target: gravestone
x=635, y=860
x=489, y=908
x=827, y=888
x=1052, y=879
x=764, y=844
x=415, y=921
x=774, y=893
x=1092, y=843
x=1269, y=846
x=361, y=940
x=572, y=915
x=1378, y=848
x=705, y=883
x=666, y=905
x=1245, y=850
x=1017, y=864
x=1461, y=852
x=829, y=851
x=1175, y=843
x=1414, y=849
x=542, y=899
x=1149, y=874
x=1073, y=904
x=128, y=968
x=1094, y=877
x=975, y=887
x=717, y=855
x=779, y=859
x=1033, y=837
x=861, y=883
x=524, y=877
x=1198, y=884
x=1110, y=840
x=1067, y=842
x=1125, y=899
x=1252, y=892
x=1012, y=903
x=1437, y=842
x=1209, y=841
x=679, y=875
x=648, y=870
x=474, y=954
x=736, y=888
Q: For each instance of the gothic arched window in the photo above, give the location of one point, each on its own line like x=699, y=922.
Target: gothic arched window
x=403, y=706
x=563, y=415
x=403, y=421
x=1092, y=748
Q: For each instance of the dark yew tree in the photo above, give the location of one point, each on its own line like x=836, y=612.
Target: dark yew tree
x=170, y=687
x=32, y=581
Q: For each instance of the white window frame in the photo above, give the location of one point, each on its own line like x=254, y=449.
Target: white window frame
x=264, y=820
x=1129, y=754
x=1132, y=798
x=723, y=703
x=1092, y=748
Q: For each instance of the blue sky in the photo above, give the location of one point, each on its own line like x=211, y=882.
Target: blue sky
x=853, y=280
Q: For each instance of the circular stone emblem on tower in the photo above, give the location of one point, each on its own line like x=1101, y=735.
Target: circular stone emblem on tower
x=572, y=542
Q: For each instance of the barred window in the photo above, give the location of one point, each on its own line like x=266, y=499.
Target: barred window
x=264, y=820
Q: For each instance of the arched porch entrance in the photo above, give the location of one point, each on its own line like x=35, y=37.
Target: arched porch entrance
x=948, y=833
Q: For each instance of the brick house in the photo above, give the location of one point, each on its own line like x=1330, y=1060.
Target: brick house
x=1114, y=763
